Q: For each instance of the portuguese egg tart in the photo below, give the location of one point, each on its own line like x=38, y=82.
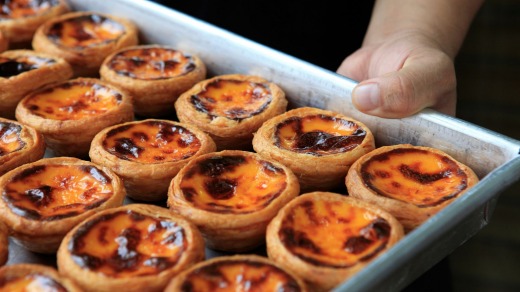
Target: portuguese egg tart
x=147, y=154
x=71, y=113
x=231, y=108
x=85, y=39
x=236, y=273
x=19, y=144
x=317, y=145
x=154, y=75
x=411, y=182
x=23, y=71
x=231, y=196
x=132, y=248
x=325, y=238
x=33, y=277
x=4, y=243
x=19, y=19
x=41, y=201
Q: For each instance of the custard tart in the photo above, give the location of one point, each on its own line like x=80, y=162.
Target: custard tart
x=41, y=201
x=85, y=39
x=19, y=144
x=147, y=154
x=231, y=108
x=71, y=113
x=317, y=145
x=19, y=19
x=33, y=277
x=236, y=273
x=23, y=71
x=325, y=238
x=231, y=196
x=411, y=182
x=132, y=248
x=4, y=244
x=154, y=75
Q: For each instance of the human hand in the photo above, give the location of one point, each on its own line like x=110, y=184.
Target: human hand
x=401, y=75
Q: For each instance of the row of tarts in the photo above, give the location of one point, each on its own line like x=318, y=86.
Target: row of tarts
x=237, y=171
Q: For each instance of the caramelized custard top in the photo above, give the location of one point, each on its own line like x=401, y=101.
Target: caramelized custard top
x=151, y=142
x=11, y=9
x=73, y=100
x=333, y=234
x=10, y=67
x=232, y=99
x=52, y=192
x=415, y=176
x=239, y=275
x=128, y=244
x=151, y=63
x=31, y=282
x=233, y=184
x=85, y=31
x=318, y=135
x=10, y=140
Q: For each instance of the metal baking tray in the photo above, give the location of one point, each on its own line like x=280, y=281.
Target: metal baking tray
x=494, y=157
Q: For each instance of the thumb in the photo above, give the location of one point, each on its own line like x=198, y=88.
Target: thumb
x=417, y=85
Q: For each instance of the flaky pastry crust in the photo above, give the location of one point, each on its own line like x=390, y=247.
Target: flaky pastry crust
x=15, y=87
x=230, y=230
x=4, y=42
x=409, y=214
x=72, y=137
x=52, y=278
x=146, y=181
x=315, y=172
x=21, y=29
x=153, y=97
x=229, y=133
x=85, y=60
x=44, y=236
x=91, y=280
x=322, y=277
x=4, y=243
x=32, y=150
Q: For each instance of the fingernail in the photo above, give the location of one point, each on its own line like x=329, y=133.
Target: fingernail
x=366, y=97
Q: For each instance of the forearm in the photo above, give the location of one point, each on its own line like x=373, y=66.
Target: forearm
x=444, y=22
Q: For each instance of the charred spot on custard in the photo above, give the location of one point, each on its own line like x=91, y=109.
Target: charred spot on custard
x=10, y=67
x=251, y=274
x=13, y=9
x=10, y=140
x=151, y=63
x=33, y=280
x=124, y=256
x=412, y=173
x=292, y=134
x=232, y=99
x=73, y=32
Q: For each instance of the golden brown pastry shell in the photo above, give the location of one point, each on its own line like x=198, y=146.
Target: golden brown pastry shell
x=176, y=283
x=46, y=236
x=410, y=215
x=227, y=133
x=4, y=42
x=21, y=30
x=85, y=61
x=231, y=232
x=154, y=97
x=73, y=137
x=21, y=270
x=93, y=281
x=314, y=172
x=33, y=150
x=322, y=278
x=4, y=243
x=16, y=87
x=146, y=181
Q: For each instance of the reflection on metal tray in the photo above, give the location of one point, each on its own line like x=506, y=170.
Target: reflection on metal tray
x=494, y=157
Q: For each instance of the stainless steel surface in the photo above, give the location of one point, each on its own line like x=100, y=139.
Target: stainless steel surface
x=494, y=157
